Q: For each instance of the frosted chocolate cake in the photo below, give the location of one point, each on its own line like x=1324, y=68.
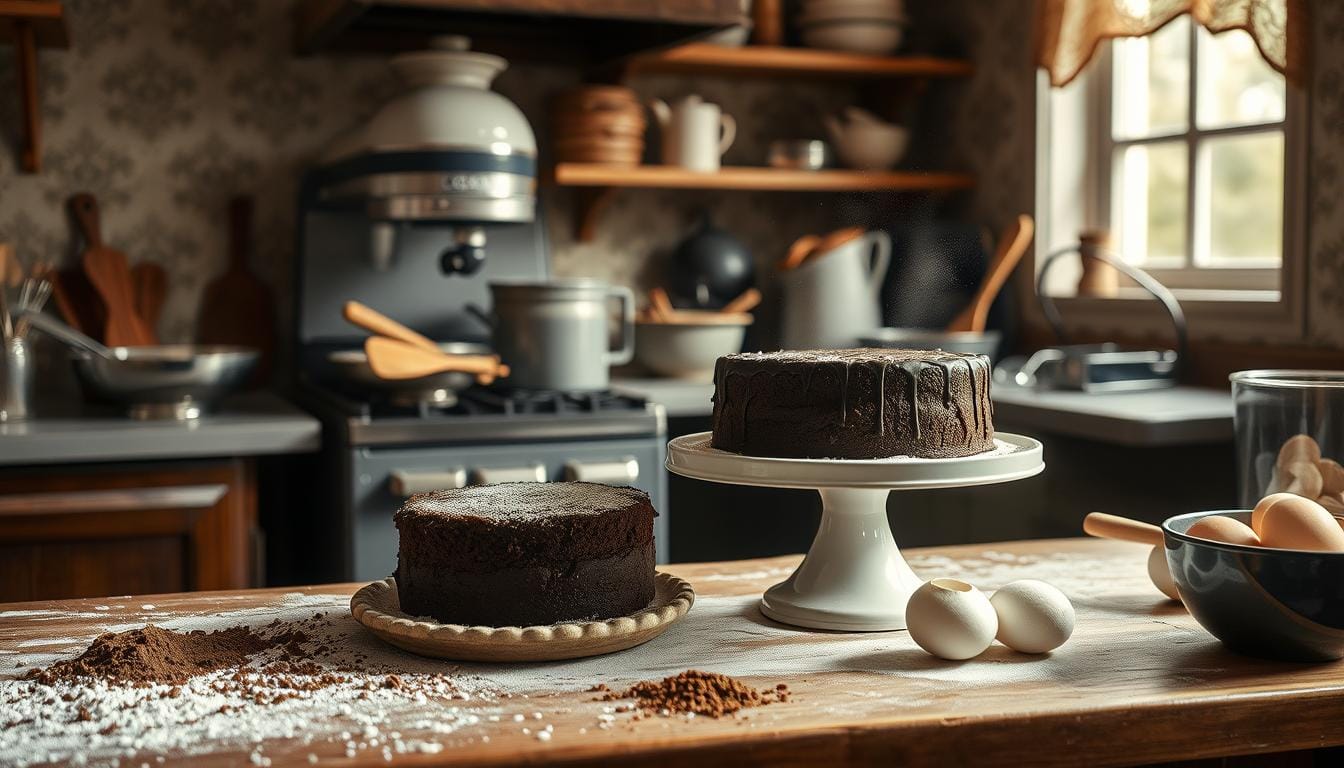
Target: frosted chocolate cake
x=853, y=404
x=519, y=554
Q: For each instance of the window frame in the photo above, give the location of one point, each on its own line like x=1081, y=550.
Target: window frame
x=1245, y=305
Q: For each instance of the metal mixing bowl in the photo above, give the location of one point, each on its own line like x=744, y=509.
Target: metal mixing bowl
x=179, y=381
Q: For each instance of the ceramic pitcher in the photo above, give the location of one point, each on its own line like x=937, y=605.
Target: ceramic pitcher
x=833, y=298
x=695, y=132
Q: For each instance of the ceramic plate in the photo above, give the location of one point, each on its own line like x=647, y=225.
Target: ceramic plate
x=376, y=606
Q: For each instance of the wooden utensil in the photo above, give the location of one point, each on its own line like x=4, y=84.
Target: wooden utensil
x=1105, y=526
x=396, y=359
x=78, y=302
x=799, y=251
x=1012, y=245
x=150, y=282
x=110, y=275
x=745, y=302
x=835, y=239
x=661, y=304
x=237, y=308
x=379, y=324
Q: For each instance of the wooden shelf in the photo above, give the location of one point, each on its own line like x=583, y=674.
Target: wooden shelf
x=598, y=182
x=772, y=61
x=29, y=25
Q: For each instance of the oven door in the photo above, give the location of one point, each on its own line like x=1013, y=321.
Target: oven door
x=383, y=477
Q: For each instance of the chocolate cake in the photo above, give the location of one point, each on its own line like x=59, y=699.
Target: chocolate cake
x=853, y=404
x=519, y=554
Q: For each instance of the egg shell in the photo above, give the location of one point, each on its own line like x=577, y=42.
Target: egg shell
x=1160, y=573
x=1332, y=477
x=1299, y=523
x=1299, y=448
x=1225, y=529
x=1303, y=478
x=1034, y=617
x=1261, y=507
x=951, y=619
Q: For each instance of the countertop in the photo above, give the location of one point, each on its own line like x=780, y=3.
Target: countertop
x=1139, y=682
x=246, y=425
x=1177, y=416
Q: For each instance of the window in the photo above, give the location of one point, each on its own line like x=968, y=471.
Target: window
x=1180, y=144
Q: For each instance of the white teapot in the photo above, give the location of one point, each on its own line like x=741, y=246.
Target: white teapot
x=695, y=132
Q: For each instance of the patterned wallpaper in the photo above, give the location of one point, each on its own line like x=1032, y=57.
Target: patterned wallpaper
x=166, y=108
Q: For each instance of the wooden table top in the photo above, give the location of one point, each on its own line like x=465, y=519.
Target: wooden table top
x=1139, y=682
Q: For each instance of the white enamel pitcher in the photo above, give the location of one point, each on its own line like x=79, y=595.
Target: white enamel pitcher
x=834, y=297
x=695, y=133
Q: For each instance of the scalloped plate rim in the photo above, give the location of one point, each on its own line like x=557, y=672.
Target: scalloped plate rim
x=533, y=643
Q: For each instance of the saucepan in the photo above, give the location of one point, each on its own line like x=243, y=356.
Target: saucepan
x=172, y=381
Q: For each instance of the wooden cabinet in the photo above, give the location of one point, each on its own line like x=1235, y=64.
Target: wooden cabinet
x=97, y=530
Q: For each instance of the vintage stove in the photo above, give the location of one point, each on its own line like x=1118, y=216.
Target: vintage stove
x=416, y=227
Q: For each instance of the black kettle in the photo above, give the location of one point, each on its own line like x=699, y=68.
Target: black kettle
x=709, y=268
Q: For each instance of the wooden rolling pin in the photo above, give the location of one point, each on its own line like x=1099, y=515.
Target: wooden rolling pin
x=1105, y=526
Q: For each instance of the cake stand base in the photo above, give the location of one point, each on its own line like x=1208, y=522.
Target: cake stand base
x=854, y=577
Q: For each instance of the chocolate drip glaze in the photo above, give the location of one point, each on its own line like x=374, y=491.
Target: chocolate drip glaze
x=845, y=393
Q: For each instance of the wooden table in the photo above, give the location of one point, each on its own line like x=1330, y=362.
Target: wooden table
x=1139, y=682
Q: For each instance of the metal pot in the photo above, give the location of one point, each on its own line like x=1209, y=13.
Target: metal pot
x=556, y=335
x=177, y=381
x=439, y=390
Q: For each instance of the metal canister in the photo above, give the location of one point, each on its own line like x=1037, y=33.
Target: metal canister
x=16, y=379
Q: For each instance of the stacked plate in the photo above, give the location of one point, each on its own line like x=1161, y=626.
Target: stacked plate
x=599, y=124
x=858, y=26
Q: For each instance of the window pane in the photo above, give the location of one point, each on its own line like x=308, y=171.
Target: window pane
x=1150, y=203
x=1245, y=214
x=1152, y=82
x=1236, y=86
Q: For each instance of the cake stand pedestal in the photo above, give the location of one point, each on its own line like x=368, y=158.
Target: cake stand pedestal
x=854, y=577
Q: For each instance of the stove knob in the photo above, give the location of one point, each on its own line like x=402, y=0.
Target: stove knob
x=528, y=473
x=624, y=471
x=405, y=483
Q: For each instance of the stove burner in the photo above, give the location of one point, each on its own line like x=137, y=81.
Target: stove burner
x=521, y=401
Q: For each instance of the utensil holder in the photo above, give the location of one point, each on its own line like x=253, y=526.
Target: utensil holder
x=16, y=380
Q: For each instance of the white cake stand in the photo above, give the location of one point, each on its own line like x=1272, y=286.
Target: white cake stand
x=854, y=577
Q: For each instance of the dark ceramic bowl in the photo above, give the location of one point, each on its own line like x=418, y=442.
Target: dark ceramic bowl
x=1272, y=603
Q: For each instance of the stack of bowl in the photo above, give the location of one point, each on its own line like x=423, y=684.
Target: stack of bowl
x=859, y=26
x=599, y=124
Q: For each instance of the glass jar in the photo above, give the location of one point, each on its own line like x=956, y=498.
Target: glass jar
x=1290, y=434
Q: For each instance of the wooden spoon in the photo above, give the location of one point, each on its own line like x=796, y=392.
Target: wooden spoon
x=1012, y=245
x=394, y=359
x=379, y=324
x=745, y=302
x=1105, y=526
x=150, y=282
x=799, y=251
x=111, y=276
x=836, y=239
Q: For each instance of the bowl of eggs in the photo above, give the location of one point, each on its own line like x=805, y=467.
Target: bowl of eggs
x=1267, y=582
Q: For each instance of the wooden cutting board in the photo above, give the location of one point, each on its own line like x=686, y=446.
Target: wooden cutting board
x=150, y=282
x=110, y=274
x=238, y=307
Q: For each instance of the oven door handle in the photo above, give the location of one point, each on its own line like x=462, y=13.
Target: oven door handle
x=406, y=483
x=623, y=471
x=527, y=473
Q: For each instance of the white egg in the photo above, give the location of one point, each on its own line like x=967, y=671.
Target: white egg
x=951, y=619
x=1034, y=617
x=1160, y=573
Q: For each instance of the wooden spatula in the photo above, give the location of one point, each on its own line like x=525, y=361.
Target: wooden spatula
x=1012, y=244
x=799, y=251
x=150, y=282
x=107, y=269
x=237, y=308
x=395, y=359
x=381, y=325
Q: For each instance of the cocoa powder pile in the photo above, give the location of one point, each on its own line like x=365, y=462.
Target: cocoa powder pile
x=142, y=657
x=694, y=691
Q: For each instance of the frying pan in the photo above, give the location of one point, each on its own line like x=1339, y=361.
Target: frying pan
x=440, y=389
x=173, y=381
